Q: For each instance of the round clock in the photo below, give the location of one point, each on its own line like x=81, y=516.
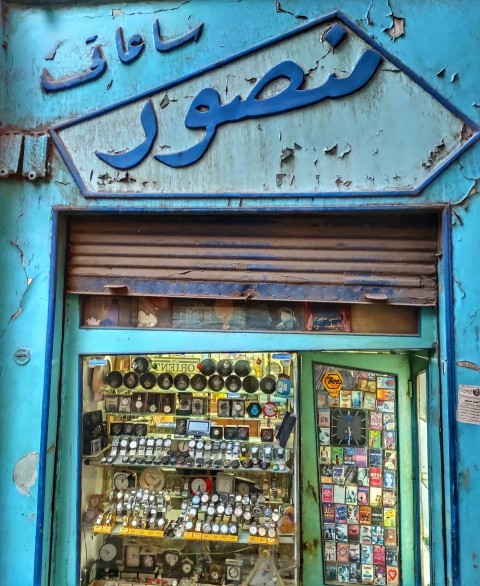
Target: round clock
x=201, y=485
x=243, y=488
x=187, y=567
x=152, y=478
x=348, y=427
x=171, y=558
x=107, y=552
x=121, y=481
x=270, y=409
x=233, y=573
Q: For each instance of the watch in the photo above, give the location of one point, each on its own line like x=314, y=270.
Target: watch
x=348, y=427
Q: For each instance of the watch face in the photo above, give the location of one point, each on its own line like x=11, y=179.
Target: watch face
x=254, y=409
x=165, y=381
x=348, y=427
x=198, y=382
x=121, y=481
x=181, y=382
x=215, y=383
x=225, y=367
x=233, y=383
x=130, y=380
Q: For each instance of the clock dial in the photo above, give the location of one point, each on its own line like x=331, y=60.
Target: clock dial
x=171, y=557
x=108, y=552
x=152, y=478
x=348, y=427
x=121, y=481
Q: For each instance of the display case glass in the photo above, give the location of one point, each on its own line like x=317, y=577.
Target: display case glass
x=189, y=469
x=358, y=458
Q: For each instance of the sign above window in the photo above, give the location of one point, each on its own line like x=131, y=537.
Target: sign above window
x=321, y=110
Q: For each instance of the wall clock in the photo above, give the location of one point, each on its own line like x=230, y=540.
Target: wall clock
x=348, y=427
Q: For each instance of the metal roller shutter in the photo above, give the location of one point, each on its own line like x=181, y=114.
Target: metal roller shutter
x=348, y=258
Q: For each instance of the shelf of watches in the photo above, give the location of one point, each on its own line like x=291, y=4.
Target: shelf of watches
x=144, y=511
x=217, y=455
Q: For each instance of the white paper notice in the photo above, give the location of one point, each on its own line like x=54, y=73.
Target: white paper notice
x=468, y=407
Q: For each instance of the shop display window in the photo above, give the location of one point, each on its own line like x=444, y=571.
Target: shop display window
x=189, y=469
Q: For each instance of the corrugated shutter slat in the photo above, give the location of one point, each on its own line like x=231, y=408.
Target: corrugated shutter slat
x=316, y=258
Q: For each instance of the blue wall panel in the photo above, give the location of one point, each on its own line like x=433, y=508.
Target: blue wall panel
x=441, y=45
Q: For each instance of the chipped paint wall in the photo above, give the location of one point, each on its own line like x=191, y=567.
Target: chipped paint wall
x=439, y=41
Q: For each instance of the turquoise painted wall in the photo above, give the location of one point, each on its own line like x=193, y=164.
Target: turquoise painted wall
x=438, y=35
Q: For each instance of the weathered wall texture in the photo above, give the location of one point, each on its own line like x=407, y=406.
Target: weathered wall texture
x=441, y=44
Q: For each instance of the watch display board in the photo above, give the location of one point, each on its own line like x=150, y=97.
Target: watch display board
x=357, y=443
x=187, y=471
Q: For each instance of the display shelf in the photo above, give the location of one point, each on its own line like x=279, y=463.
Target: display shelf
x=168, y=468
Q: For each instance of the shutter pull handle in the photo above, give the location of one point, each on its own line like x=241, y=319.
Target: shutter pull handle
x=117, y=288
x=377, y=297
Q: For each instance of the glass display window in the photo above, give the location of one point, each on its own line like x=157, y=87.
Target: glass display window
x=189, y=469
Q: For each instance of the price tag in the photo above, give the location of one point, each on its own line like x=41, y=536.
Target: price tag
x=103, y=529
x=188, y=535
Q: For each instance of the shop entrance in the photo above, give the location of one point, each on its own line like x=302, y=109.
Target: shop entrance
x=365, y=422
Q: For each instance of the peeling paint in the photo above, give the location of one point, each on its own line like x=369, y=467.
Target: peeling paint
x=330, y=150
x=468, y=364
x=397, y=29
x=51, y=56
x=25, y=473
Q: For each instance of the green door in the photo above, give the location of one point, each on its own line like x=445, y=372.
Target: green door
x=357, y=432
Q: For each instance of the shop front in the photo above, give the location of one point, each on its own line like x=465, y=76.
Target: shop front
x=247, y=287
